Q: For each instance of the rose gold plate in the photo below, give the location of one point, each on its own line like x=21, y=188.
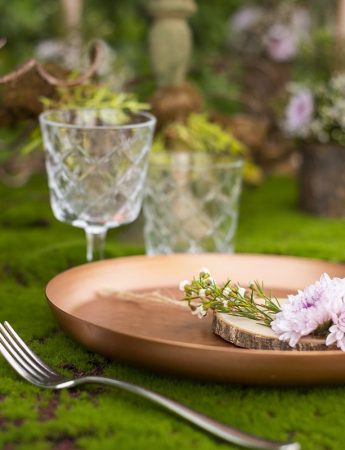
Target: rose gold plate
x=165, y=336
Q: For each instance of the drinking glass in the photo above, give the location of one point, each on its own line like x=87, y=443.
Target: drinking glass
x=191, y=203
x=96, y=162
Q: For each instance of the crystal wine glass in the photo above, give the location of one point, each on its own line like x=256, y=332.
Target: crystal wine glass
x=96, y=161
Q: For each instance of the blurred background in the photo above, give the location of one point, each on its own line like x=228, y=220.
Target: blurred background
x=236, y=64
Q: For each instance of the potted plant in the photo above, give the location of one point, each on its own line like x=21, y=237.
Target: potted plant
x=315, y=116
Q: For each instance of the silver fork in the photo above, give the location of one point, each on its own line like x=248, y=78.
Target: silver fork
x=33, y=369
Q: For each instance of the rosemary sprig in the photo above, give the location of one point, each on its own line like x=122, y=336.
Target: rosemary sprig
x=204, y=294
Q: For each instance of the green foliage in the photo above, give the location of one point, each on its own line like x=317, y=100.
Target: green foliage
x=6, y=136
x=24, y=23
x=230, y=298
x=318, y=57
x=84, y=96
x=209, y=25
x=93, y=96
x=200, y=134
x=222, y=89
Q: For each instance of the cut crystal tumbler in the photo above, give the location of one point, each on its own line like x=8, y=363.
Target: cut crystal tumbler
x=191, y=204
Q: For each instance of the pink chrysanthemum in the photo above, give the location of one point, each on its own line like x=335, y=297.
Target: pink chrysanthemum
x=304, y=312
x=337, y=330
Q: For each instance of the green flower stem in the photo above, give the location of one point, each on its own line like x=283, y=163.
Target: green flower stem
x=230, y=298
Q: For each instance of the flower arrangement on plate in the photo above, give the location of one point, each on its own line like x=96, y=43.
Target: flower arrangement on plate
x=312, y=319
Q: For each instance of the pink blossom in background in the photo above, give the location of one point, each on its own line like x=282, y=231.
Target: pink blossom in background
x=299, y=112
x=245, y=18
x=280, y=43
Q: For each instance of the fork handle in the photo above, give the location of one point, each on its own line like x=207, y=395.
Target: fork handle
x=218, y=429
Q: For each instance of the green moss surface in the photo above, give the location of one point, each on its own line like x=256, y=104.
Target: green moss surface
x=34, y=247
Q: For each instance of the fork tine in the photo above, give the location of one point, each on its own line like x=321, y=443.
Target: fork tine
x=29, y=360
x=18, y=364
x=17, y=367
x=28, y=351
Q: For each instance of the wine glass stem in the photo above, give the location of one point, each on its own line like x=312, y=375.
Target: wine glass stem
x=95, y=241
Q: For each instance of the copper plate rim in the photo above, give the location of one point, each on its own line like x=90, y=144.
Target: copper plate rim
x=286, y=354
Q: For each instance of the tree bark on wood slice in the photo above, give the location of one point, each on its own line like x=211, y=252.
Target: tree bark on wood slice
x=247, y=333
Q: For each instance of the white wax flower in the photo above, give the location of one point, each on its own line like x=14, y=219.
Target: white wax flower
x=183, y=285
x=226, y=291
x=241, y=291
x=199, y=312
x=202, y=293
x=209, y=281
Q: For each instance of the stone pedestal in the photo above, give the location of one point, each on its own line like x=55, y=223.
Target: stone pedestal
x=72, y=17
x=170, y=45
x=170, y=40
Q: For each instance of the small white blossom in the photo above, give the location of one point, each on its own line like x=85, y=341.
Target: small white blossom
x=202, y=293
x=183, y=285
x=338, y=83
x=204, y=271
x=209, y=281
x=225, y=303
x=241, y=291
x=199, y=311
x=226, y=291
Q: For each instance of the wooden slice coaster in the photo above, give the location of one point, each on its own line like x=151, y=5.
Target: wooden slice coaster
x=247, y=333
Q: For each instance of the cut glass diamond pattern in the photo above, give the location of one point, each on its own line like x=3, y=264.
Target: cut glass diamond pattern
x=96, y=177
x=191, y=211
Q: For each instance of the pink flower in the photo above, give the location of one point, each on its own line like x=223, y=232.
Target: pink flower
x=280, y=43
x=337, y=330
x=291, y=326
x=299, y=112
x=304, y=312
x=245, y=18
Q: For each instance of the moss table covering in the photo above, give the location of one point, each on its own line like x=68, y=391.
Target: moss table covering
x=34, y=247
